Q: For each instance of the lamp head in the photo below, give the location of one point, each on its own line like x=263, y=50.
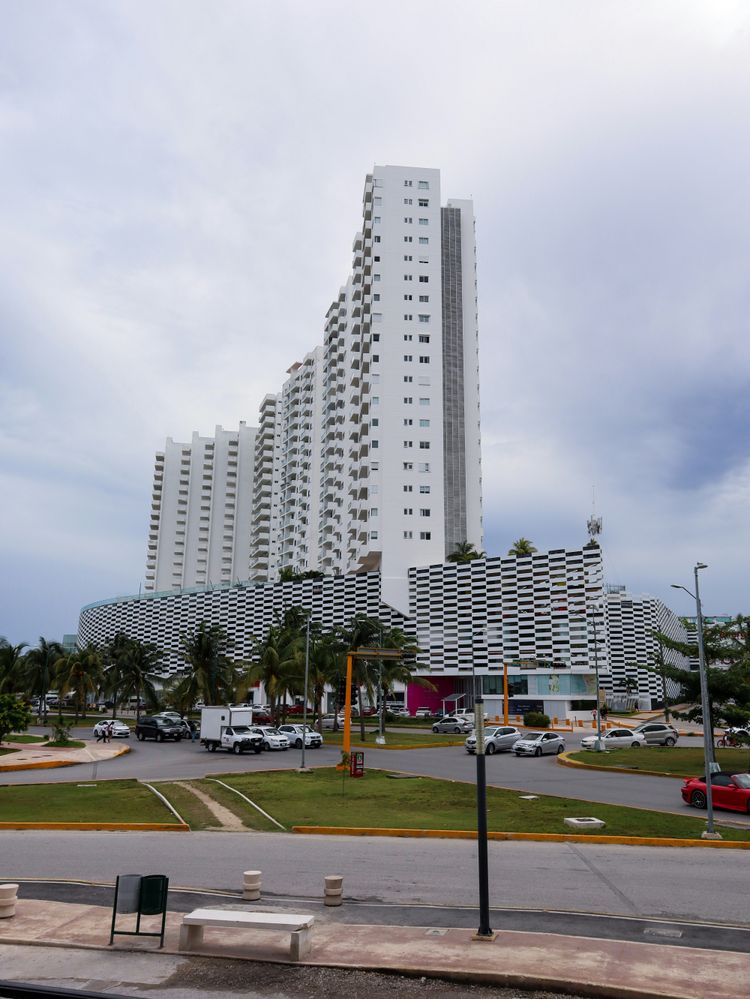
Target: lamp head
x=701, y=565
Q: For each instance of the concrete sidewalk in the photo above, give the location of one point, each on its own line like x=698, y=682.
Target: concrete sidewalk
x=607, y=968
x=34, y=756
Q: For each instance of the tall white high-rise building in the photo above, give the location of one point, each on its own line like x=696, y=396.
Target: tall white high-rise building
x=369, y=456
x=201, y=509
x=396, y=435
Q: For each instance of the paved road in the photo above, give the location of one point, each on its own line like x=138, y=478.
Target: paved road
x=687, y=883
x=176, y=761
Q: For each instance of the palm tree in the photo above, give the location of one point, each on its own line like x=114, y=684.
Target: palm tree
x=521, y=547
x=80, y=673
x=209, y=669
x=138, y=673
x=115, y=657
x=11, y=665
x=464, y=552
x=324, y=668
x=279, y=659
x=363, y=632
x=39, y=670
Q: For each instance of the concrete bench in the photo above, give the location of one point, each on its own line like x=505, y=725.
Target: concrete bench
x=300, y=926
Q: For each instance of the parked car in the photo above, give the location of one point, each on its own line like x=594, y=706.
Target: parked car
x=730, y=791
x=539, y=743
x=272, y=738
x=658, y=734
x=496, y=740
x=452, y=723
x=399, y=712
x=119, y=729
x=294, y=734
x=617, y=738
x=423, y=713
x=159, y=729
x=328, y=721
x=174, y=719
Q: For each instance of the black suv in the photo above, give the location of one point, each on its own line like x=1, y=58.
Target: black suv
x=158, y=729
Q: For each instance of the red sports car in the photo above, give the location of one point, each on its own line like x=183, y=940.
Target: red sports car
x=730, y=791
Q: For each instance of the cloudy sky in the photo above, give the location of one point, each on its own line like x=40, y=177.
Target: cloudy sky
x=180, y=182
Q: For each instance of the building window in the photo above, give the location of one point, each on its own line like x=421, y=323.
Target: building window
x=376, y=239
x=408, y=489
x=409, y=298
x=376, y=422
x=408, y=466
x=424, y=359
x=408, y=337
x=408, y=357
x=424, y=317
x=424, y=240
x=408, y=400
x=408, y=511
x=424, y=337
x=424, y=511
x=424, y=221
x=424, y=379
x=424, y=445
x=408, y=317
x=409, y=183
x=375, y=444
x=408, y=422
x=374, y=511
x=422, y=423
x=408, y=257
x=424, y=298
x=377, y=317
x=374, y=535
x=408, y=535
x=424, y=279
x=376, y=297
x=425, y=489
x=408, y=220
x=424, y=466
x=375, y=357
x=408, y=378
x=408, y=239
x=408, y=277
x=424, y=400
x=376, y=220
x=407, y=201
x=425, y=535
x=376, y=277
x=376, y=337
x=423, y=203
x=424, y=185
x=376, y=400
x=408, y=443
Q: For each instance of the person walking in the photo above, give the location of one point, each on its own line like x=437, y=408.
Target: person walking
x=101, y=729
x=110, y=731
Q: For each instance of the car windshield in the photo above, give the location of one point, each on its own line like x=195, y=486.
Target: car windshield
x=742, y=780
x=241, y=729
x=533, y=736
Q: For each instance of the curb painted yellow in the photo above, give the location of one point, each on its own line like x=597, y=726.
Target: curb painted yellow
x=565, y=761
x=522, y=837
x=101, y=826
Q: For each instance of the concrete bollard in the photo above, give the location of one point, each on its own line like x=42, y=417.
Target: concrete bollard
x=334, y=889
x=251, y=886
x=8, y=899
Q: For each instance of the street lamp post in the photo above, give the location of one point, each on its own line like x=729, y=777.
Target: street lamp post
x=485, y=930
x=598, y=745
x=708, y=736
x=303, y=768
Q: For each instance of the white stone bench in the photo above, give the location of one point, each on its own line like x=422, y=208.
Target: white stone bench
x=300, y=926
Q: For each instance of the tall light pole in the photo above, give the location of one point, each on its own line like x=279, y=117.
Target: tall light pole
x=598, y=744
x=303, y=768
x=485, y=930
x=708, y=736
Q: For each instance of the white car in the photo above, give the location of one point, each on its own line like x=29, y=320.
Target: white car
x=272, y=738
x=617, y=738
x=119, y=729
x=293, y=733
x=496, y=740
x=539, y=743
x=329, y=719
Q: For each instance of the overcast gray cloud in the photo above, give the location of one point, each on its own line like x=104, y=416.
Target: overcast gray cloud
x=179, y=187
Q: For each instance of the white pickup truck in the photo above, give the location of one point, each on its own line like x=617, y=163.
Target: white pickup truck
x=225, y=727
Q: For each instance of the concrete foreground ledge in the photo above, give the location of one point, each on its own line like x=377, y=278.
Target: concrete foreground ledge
x=589, y=967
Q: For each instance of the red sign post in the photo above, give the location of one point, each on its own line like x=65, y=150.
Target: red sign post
x=357, y=764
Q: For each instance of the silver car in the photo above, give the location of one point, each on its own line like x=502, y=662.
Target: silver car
x=657, y=733
x=294, y=735
x=452, y=723
x=496, y=740
x=539, y=743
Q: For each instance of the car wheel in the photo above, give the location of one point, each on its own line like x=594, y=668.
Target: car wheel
x=257, y=750
x=298, y=744
x=490, y=750
x=538, y=751
x=635, y=745
x=161, y=737
x=457, y=730
x=669, y=742
x=140, y=736
x=212, y=747
x=236, y=749
x=266, y=746
x=178, y=738
x=698, y=799
x=560, y=749
x=435, y=729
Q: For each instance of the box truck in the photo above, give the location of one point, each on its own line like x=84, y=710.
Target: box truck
x=225, y=727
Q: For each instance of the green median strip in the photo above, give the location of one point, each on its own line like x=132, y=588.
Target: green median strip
x=325, y=797
x=672, y=761
x=124, y=801
x=5, y=752
x=405, y=739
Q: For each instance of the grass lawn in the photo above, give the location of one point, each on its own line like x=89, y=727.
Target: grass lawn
x=681, y=761
x=415, y=740
x=4, y=752
x=67, y=744
x=324, y=797
x=192, y=809
x=25, y=738
x=111, y=801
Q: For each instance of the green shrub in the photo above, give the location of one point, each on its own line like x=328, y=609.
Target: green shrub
x=535, y=719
